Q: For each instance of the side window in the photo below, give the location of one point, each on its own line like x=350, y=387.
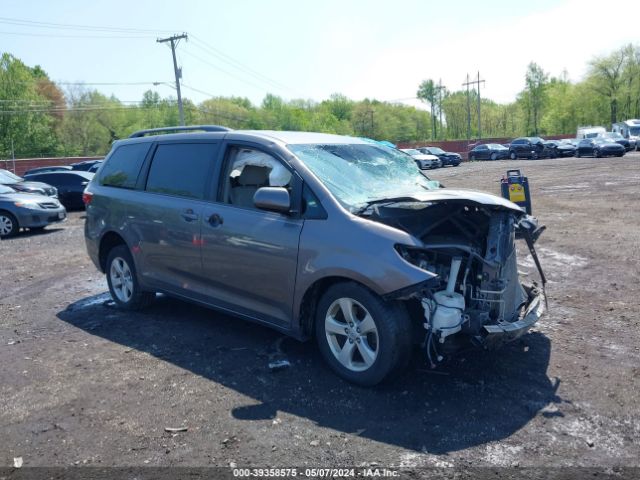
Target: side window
x=123, y=167
x=311, y=207
x=482, y=147
x=249, y=169
x=181, y=169
x=62, y=179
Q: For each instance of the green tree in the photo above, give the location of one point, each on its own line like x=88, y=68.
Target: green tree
x=428, y=93
x=606, y=78
x=536, y=82
x=27, y=126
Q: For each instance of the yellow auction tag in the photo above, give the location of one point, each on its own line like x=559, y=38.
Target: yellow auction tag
x=516, y=193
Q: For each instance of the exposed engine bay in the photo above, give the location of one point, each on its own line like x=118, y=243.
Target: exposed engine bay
x=470, y=244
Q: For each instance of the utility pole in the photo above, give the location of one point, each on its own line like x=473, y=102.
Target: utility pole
x=474, y=82
x=468, y=111
x=178, y=71
x=440, y=87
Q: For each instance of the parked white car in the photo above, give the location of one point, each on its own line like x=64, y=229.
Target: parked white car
x=424, y=160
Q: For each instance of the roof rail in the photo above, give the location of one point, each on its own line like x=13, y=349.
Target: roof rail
x=201, y=128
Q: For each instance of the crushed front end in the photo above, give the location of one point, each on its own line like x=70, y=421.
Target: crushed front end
x=469, y=240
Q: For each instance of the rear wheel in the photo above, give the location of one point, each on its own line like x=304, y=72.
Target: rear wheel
x=513, y=155
x=363, y=338
x=472, y=157
x=123, y=282
x=597, y=153
x=8, y=224
x=494, y=156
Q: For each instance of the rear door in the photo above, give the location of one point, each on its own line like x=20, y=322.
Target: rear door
x=167, y=216
x=250, y=255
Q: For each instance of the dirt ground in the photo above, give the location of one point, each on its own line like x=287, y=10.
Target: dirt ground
x=82, y=383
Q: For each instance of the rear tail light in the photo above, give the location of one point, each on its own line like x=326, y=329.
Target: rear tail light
x=87, y=197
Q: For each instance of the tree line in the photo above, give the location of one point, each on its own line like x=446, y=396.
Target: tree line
x=39, y=118
x=610, y=92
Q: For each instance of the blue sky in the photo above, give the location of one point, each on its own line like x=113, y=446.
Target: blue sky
x=311, y=49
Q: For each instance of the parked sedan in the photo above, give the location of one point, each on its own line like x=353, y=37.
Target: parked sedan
x=557, y=149
x=618, y=138
x=27, y=210
x=446, y=158
x=489, y=151
x=19, y=184
x=70, y=185
x=599, y=147
x=59, y=168
x=423, y=160
x=85, y=166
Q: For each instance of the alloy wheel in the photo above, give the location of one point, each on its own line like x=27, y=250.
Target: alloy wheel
x=352, y=334
x=121, y=279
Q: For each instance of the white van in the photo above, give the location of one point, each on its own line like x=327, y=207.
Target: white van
x=589, y=132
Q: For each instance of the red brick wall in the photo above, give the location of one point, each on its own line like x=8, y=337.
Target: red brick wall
x=462, y=146
x=24, y=164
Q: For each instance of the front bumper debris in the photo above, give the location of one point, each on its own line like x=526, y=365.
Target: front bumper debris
x=504, y=332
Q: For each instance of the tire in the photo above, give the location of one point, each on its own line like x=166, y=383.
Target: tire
x=494, y=156
x=534, y=156
x=8, y=224
x=127, y=294
x=577, y=154
x=513, y=156
x=597, y=153
x=368, y=357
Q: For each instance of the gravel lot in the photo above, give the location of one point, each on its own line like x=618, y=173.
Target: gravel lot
x=82, y=383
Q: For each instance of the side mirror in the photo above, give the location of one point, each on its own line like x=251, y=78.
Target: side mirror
x=275, y=199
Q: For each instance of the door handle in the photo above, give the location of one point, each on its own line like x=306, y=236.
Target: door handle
x=215, y=220
x=189, y=216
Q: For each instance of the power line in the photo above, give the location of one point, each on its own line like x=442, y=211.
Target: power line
x=216, y=67
x=198, y=90
x=57, y=35
x=201, y=44
x=71, y=26
x=110, y=83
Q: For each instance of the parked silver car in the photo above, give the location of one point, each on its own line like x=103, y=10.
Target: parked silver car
x=27, y=210
x=313, y=235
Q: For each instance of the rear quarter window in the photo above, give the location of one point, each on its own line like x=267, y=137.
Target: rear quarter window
x=123, y=166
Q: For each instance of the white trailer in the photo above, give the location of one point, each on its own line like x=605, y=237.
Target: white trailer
x=629, y=129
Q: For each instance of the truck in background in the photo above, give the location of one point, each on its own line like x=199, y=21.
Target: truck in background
x=629, y=129
x=589, y=132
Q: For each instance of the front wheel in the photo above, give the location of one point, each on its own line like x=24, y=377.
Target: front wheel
x=123, y=282
x=494, y=156
x=597, y=153
x=513, y=155
x=363, y=338
x=8, y=224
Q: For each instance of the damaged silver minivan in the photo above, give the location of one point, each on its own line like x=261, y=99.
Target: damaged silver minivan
x=315, y=235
